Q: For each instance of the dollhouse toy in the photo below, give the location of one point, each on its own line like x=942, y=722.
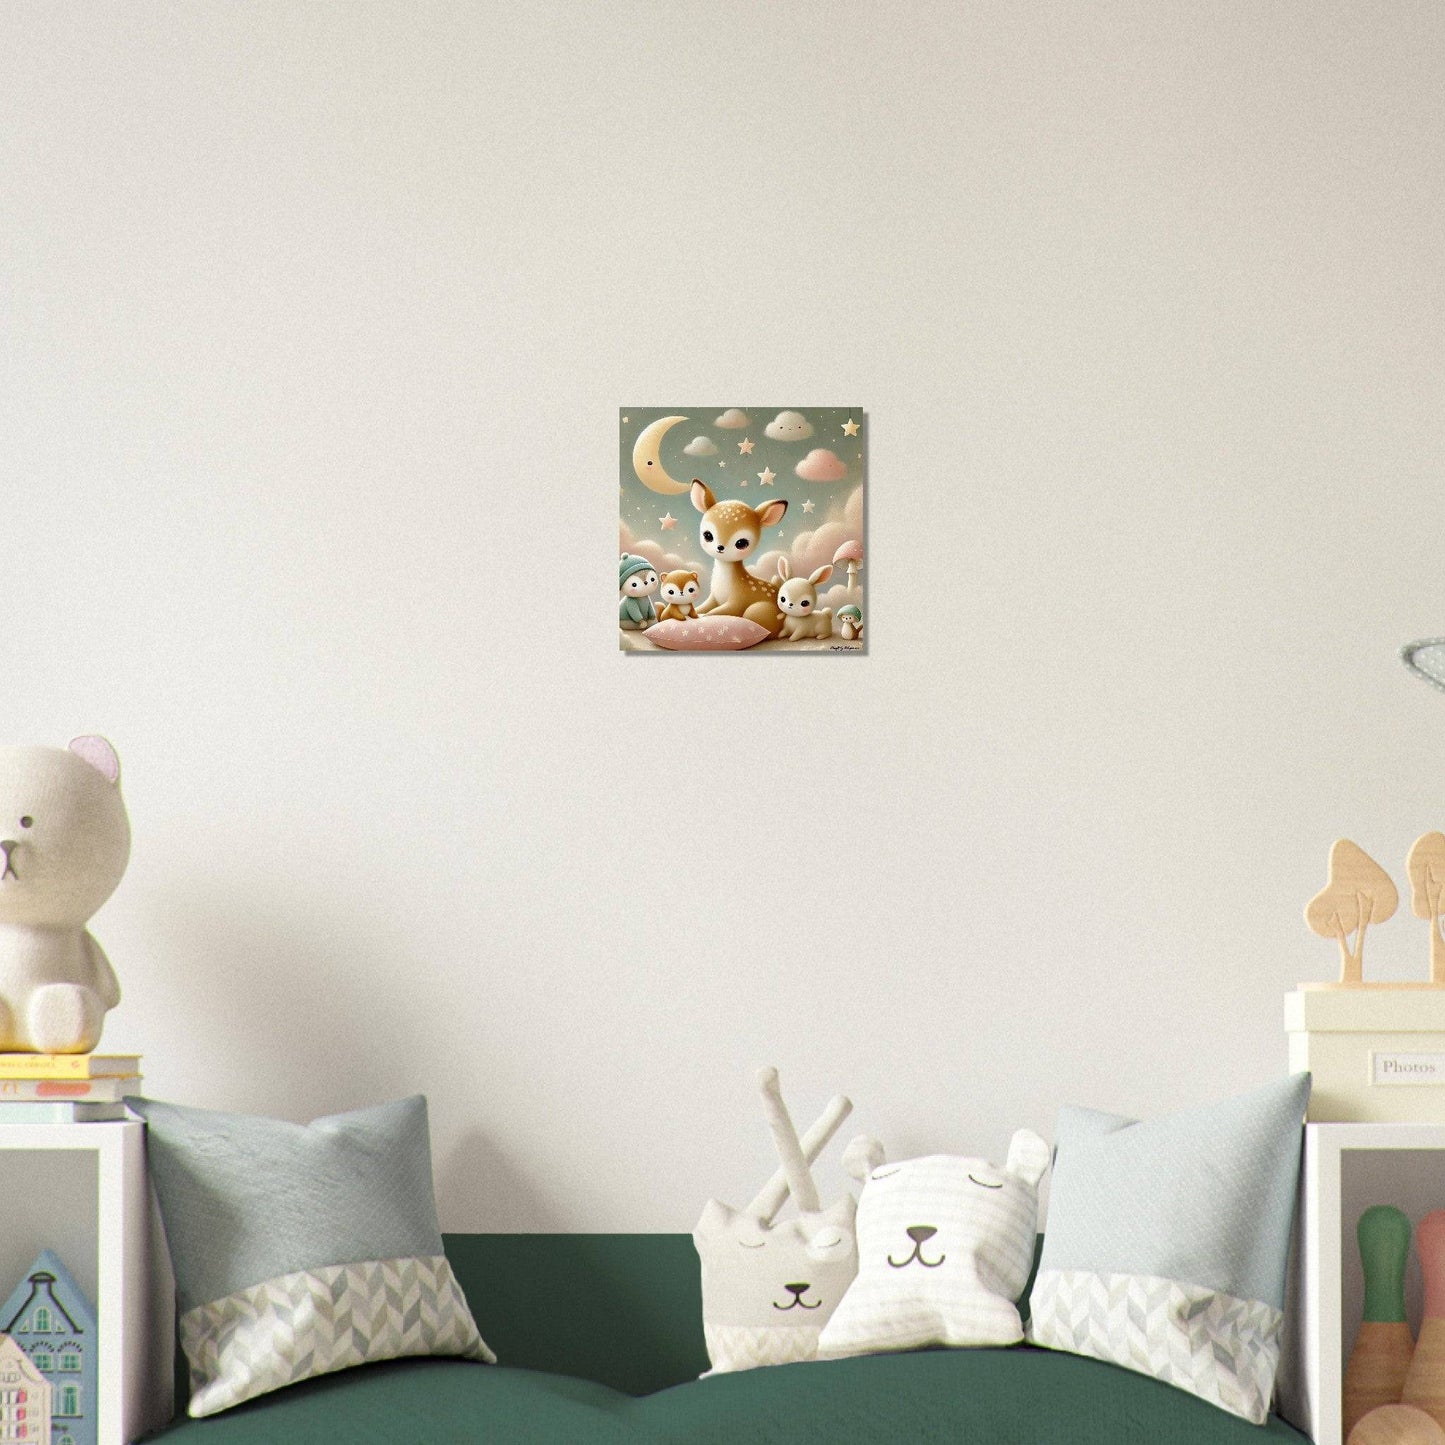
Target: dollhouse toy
x=52, y=1323
x=24, y=1398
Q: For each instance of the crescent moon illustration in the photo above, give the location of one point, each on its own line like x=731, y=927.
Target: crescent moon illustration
x=647, y=459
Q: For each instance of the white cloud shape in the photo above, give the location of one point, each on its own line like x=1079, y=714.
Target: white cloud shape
x=733, y=419
x=700, y=447
x=821, y=465
x=660, y=557
x=789, y=426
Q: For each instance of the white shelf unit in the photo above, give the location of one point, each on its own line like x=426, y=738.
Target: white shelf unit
x=81, y=1189
x=1347, y=1168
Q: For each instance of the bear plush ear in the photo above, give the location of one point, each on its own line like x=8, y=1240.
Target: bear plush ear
x=862, y=1156
x=99, y=754
x=1028, y=1156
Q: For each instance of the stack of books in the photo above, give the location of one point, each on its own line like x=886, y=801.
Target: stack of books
x=66, y=1088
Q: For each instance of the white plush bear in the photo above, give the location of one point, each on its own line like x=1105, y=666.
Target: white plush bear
x=64, y=844
x=945, y=1246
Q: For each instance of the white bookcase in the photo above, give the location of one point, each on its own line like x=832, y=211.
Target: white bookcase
x=81, y=1190
x=1347, y=1168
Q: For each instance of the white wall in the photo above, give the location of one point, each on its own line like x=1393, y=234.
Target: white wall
x=292, y=297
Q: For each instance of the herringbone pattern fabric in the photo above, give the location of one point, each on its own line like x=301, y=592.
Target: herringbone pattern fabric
x=1223, y=1349
x=746, y=1347
x=316, y=1321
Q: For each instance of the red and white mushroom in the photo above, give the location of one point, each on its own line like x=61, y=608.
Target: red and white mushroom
x=852, y=554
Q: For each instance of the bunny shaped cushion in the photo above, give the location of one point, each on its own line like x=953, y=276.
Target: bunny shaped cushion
x=945, y=1245
x=64, y=844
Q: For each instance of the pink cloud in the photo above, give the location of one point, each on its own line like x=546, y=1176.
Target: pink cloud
x=821, y=465
x=811, y=550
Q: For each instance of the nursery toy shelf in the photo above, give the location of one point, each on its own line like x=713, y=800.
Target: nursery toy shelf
x=81, y=1189
x=1347, y=1168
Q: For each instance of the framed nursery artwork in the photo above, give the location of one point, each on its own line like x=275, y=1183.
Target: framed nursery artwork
x=741, y=529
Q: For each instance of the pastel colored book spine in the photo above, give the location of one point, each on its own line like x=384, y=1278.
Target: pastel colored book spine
x=60, y=1113
x=82, y=1091
x=67, y=1066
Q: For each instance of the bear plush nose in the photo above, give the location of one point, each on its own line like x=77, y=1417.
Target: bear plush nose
x=798, y=1289
x=919, y=1233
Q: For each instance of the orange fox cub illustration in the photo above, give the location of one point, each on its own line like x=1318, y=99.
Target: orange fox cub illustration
x=680, y=592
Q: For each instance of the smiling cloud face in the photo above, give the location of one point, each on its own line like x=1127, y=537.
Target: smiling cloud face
x=945, y=1245
x=700, y=447
x=789, y=426
x=733, y=419
x=821, y=465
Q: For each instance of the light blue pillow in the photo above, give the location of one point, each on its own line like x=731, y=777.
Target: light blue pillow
x=1166, y=1243
x=299, y=1249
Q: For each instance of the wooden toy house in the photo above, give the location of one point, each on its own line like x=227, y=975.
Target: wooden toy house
x=24, y=1398
x=49, y=1318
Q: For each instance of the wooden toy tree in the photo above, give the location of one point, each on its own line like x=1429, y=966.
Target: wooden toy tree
x=1358, y=894
x=1426, y=865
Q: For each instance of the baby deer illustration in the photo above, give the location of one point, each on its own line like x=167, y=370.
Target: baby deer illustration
x=768, y=1288
x=798, y=600
x=729, y=534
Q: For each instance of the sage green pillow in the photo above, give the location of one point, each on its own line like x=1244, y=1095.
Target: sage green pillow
x=1166, y=1242
x=299, y=1249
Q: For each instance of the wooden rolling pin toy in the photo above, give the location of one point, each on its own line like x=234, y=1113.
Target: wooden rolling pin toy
x=1375, y=1373
x=1397, y=1425
x=1425, y=1382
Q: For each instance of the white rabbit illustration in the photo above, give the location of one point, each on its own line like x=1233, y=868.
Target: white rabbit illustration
x=798, y=601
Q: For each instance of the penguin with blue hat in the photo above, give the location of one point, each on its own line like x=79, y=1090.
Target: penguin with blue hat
x=636, y=582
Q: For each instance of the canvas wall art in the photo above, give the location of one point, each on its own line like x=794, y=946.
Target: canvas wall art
x=742, y=529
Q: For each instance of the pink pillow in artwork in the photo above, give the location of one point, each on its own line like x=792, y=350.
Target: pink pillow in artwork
x=707, y=634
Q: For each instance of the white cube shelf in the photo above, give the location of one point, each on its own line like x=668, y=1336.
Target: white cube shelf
x=1347, y=1168
x=81, y=1190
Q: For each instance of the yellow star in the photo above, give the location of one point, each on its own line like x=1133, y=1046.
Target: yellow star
x=627, y=418
x=743, y=482
x=850, y=428
x=808, y=505
x=765, y=477
x=745, y=446
x=668, y=522
x=722, y=464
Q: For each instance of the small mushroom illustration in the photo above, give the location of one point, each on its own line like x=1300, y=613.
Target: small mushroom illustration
x=852, y=554
x=850, y=622
x=1358, y=894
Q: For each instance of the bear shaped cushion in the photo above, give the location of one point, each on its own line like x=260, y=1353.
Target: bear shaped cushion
x=945, y=1246
x=64, y=844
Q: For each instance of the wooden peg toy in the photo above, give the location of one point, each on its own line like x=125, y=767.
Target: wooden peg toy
x=1396, y=1425
x=1358, y=894
x=1425, y=1381
x=1376, y=1370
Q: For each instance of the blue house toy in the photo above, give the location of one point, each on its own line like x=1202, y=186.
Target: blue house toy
x=54, y=1324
